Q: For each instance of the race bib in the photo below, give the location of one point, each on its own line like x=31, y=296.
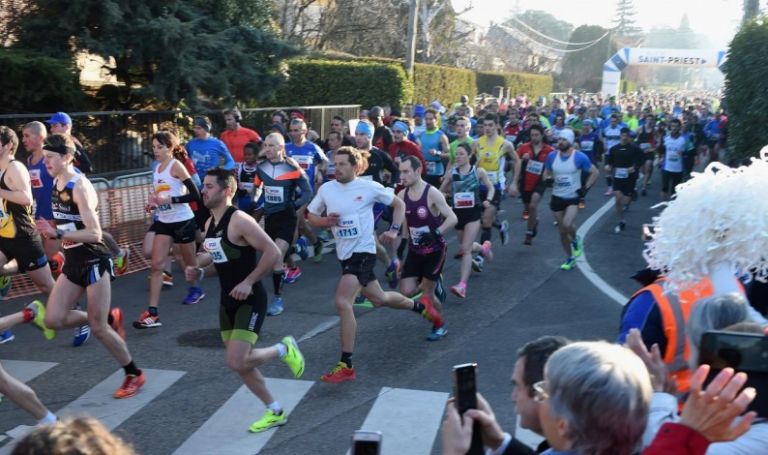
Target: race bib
x=304, y=161
x=273, y=194
x=563, y=181
x=213, y=247
x=587, y=146
x=431, y=167
x=247, y=186
x=493, y=176
x=347, y=228
x=621, y=173
x=416, y=233
x=68, y=227
x=673, y=157
x=534, y=167
x=645, y=146
x=34, y=178
x=465, y=200
x=510, y=137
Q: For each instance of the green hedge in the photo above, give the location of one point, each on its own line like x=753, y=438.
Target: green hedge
x=323, y=82
x=442, y=83
x=746, y=90
x=33, y=83
x=533, y=85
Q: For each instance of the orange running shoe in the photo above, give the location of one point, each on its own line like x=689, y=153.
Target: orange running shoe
x=340, y=373
x=131, y=386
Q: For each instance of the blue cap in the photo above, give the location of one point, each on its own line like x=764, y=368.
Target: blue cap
x=418, y=110
x=364, y=127
x=60, y=117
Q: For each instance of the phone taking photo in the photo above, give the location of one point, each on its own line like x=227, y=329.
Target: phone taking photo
x=366, y=443
x=464, y=386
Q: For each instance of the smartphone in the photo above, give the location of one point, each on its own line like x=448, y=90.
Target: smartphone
x=366, y=443
x=464, y=388
x=747, y=352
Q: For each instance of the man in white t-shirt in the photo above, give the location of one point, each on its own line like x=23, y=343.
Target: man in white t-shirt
x=348, y=204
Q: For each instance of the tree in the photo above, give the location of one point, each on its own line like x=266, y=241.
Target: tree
x=583, y=69
x=746, y=90
x=166, y=53
x=624, y=22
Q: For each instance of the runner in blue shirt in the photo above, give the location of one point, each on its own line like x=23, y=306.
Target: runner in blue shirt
x=206, y=151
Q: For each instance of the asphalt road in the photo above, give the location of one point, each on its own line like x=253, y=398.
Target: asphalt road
x=520, y=296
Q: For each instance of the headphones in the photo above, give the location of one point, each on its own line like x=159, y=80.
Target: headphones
x=236, y=114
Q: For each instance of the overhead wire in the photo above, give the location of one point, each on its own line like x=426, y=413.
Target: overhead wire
x=520, y=33
x=555, y=40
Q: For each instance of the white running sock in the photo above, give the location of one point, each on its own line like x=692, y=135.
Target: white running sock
x=49, y=418
x=281, y=349
x=275, y=407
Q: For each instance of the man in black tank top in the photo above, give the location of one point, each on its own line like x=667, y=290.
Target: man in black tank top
x=232, y=240
x=88, y=264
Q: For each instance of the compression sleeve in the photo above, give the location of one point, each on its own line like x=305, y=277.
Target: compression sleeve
x=193, y=194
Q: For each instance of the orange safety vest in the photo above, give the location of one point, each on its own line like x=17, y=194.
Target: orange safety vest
x=675, y=309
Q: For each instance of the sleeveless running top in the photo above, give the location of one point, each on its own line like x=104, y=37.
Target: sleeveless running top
x=67, y=217
x=567, y=176
x=167, y=185
x=430, y=140
x=232, y=262
x=15, y=219
x=245, y=174
x=489, y=157
x=421, y=221
x=42, y=186
x=465, y=188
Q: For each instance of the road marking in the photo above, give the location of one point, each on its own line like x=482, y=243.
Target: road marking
x=226, y=431
x=583, y=264
x=320, y=328
x=26, y=371
x=99, y=403
x=408, y=419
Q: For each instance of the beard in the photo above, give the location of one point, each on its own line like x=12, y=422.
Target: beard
x=563, y=147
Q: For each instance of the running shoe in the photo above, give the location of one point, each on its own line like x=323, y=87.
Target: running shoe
x=293, y=357
x=477, y=263
x=528, y=238
x=525, y=214
x=577, y=246
x=195, y=295
x=325, y=235
x=146, y=321
x=57, y=264
x=619, y=227
x=131, y=386
x=38, y=309
x=5, y=287
x=6, y=337
x=167, y=279
x=269, y=420
x=430, y=313
x=440, y=289
x=504, y=232
x=302, y=248
x=121, y=262
x=82, y=334
x=117, y=321
x=393, y=273
x=362, y=302
x=340, y=373
x=486, y=250
x=291, y=274
x=318, y=251
x=608, y=191
x=437, y=333
x=569, y=264
x=459, y=290
x=582, y=203
x=276, y=307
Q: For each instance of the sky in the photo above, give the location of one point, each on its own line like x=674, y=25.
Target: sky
x=718, y=19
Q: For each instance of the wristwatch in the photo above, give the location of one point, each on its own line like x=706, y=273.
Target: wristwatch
x=394, y=227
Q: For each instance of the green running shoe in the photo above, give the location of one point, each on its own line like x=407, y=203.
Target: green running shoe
x=269, y=420
x=569, y=264
x=577, y=246
x=293, y=357
x=38, y=308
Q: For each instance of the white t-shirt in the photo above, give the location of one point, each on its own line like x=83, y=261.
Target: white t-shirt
x=353, y=202
x=673, y=158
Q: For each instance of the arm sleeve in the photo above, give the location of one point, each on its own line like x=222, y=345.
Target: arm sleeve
x=306, y=191
x=193, y=195
x=229, y=162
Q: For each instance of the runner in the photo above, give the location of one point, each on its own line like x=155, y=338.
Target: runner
x=434, y=144
x=463, y=125
x=245, y=173
x=563, y=168
x=88, y=266
x=610, y=136
x=464, y=186
x=672, y=150
x=175, y=224
x=624, y=162
x=427, y=218
x=348, y=202
x=648, y=140
x=492, y=151
x=232, y=241
x=235, y=136
x=279, y=179
x=533, y=155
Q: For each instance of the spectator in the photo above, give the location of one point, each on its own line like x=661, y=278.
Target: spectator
x=81, y=436
x=61, y=123
x=235, y=136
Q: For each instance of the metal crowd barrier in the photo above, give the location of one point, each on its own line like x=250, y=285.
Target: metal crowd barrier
x=121, y=214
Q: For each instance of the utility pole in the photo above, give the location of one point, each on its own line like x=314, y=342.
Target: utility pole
x=410, y=48
x=751, y=9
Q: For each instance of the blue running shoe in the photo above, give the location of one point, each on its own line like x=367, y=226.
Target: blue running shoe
x=393, y=273
x=6, y=337
x=82, y=334
x=437, y=333
x=194, y=296
x=362, y=302
x=302, y=248
x=276, y=307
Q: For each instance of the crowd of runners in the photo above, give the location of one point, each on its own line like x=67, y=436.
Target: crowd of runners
x=387, y=187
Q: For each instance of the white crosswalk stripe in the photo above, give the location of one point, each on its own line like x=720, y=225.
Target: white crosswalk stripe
x=26, y=371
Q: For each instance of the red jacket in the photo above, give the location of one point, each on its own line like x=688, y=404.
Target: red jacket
x=678, y=439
